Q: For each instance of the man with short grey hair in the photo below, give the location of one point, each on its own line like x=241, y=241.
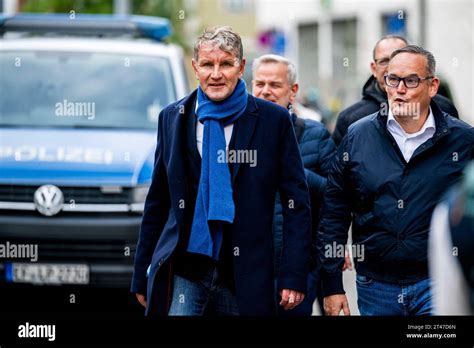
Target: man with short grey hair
x=224, y=38
x=274, y=58
x=221, y=157
x=274, y=79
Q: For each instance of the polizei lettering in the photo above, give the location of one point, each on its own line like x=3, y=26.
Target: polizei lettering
x=57, y=154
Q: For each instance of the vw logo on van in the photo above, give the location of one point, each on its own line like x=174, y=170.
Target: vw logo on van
x=48, y=200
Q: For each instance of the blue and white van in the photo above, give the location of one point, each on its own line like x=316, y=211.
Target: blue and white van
x=79, y=103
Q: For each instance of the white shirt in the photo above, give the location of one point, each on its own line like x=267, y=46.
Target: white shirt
x=406, y=142
x=200, y=133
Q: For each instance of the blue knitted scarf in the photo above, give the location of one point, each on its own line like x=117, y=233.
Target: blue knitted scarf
x=214, y=203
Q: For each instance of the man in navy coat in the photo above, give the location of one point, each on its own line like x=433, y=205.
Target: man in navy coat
x=206, y=236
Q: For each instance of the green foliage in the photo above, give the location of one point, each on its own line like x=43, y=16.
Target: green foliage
x=64, y=6
x=171, y=9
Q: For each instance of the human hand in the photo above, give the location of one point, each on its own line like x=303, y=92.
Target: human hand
x=334, y=303
x=141, y=299
x=290, y=298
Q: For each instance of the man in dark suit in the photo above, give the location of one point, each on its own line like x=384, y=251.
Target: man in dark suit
x=206, y=235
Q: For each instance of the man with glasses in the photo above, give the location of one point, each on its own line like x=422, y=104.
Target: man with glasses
x=391, y=170
x=374, y=96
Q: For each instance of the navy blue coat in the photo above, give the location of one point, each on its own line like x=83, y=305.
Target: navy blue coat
x=266, y=128
x=317, y=151
x=389, y=201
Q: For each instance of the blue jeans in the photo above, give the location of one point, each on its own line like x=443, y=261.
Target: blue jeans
x=194, y=298
x=381, y=298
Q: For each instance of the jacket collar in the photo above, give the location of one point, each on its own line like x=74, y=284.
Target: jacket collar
x=371, y=90
x=185, y=104
x=439, y=118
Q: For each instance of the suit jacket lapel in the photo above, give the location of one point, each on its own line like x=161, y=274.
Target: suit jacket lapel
x=191, y=143
x=178, y=153
x=243, y=130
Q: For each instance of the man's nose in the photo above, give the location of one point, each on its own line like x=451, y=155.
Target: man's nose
x=216, y=72
x=266, y=90
x=401, y=87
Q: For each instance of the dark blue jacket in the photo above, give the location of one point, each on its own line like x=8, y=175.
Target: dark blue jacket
x=391, y=201
x=317, y=151
x=266, y=128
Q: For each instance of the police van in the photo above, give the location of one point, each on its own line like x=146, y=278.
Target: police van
x=80, y=97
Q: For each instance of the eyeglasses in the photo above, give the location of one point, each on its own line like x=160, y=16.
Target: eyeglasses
x=409, y=81
x=382, y=61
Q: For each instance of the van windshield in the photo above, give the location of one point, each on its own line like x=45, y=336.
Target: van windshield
x=75, y=89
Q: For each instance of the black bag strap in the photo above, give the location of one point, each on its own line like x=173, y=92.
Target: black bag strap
x=299, y=128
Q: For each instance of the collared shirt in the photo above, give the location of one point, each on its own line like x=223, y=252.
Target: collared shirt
x=200, y=133
x=407, y=142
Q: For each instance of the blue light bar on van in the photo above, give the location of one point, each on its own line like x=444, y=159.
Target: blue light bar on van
x=155, y=28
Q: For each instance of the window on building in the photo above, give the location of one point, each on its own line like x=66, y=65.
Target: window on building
x=237, y=6
x=344, y=51
x=308, y=60
x=394, y=23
